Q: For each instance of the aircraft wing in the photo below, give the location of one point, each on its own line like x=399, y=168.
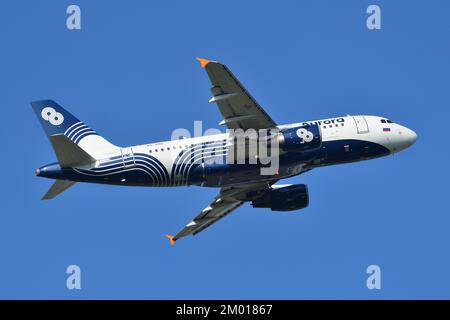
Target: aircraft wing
x=229, y=199
x=239, y=109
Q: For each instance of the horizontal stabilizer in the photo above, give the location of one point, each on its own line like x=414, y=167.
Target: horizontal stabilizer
x=69, y=154
x=58, y=187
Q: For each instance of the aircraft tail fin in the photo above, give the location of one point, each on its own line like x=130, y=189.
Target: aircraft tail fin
x=55, y=120
x=57, y=188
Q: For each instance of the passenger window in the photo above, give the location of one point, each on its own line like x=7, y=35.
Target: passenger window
x=149, y=151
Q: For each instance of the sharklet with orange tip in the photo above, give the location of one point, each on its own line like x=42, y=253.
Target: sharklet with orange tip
x=203, y=62
x=171, y=238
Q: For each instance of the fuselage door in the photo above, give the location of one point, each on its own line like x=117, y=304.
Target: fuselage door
x=127, y=157
x=361, y=124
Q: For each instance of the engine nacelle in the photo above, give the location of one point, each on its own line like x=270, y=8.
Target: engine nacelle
x=300, y=138
x=288, y=198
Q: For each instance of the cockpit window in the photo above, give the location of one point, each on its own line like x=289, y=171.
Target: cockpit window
x=383, y=121
x=389, y=121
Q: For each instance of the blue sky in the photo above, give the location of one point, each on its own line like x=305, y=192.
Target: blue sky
x=130, y=74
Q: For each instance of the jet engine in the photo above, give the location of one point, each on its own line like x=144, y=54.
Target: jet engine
x=300, y=138
x=284, y=198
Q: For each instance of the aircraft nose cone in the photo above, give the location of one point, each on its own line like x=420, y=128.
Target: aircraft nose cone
x=404, y=138
x=401, y=138
x=409, y=136
x=38, y=172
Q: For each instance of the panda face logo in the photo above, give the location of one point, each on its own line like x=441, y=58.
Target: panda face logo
x=305, y=135
x=49, y=114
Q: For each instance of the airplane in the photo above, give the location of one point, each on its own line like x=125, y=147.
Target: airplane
x=85, y=156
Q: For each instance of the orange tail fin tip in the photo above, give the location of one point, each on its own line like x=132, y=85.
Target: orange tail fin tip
x=203, y=62
x=171, y=238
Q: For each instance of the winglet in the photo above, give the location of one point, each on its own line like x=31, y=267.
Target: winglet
x=171, y=238
x=203, y=62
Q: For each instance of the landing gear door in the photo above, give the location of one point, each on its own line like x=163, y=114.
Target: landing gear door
x=361, y=124
x=127, y=157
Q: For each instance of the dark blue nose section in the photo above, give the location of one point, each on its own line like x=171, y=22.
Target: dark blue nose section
x=52, y=171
